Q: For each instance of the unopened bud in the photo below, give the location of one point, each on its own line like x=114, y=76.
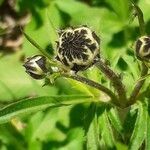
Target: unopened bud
x=142, y=48
x=36, y=66
x=78, y=48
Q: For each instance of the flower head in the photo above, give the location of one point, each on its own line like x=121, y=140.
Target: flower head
x=36, y=66
x=142, y=48
x=77, y=48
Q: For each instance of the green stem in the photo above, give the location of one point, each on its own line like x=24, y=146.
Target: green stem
x=139, y=14
x=36, y=45
x=138, y=86
x=115, y=79
x=96, y=85
x=144, y=69
x=144, y=77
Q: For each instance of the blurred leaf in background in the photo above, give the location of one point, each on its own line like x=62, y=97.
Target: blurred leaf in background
x=64, y=128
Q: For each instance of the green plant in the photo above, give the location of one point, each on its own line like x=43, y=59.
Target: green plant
x=115, y=117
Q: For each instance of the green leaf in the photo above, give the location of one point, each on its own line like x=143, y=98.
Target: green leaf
x=36, y=45
x=148, y=134
x=69, y=5
x=139, y=132
x=121, y=7
x=145, y=5
x=143, y=78
x=121, y=146
x=34, y=104
x=91, y=126
x=43, y=33
x=80, y=87
x=129, y=122
x=75, y=139
x=106, y=131
x=102, y=19
x=133, y=66
x=7, y=137
x=147, y=140
x=115, y=120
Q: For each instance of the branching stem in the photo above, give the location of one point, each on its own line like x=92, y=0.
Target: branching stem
x=94, y=84
x=144, y=69
x=115, y=79
x=139, y=14
x=138, y=86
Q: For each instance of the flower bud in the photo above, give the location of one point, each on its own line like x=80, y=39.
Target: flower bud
x=36, y=66
x=77, y=48
x=142, y=48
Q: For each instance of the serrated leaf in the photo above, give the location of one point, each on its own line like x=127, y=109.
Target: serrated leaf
x=34, y=104
x=139, y=132
x=133, y=66
x=147, y=140
x=80, y=87
x=147, y=144
x=129, y=122
x=75, y=138
x=106, y=131
x=115, y=120
x=91, y=128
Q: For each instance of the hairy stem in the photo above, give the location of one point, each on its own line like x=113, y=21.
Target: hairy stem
x=139, y=14
x=138, y=86
x=115, y=79
x=144, y=69
x=94, y=84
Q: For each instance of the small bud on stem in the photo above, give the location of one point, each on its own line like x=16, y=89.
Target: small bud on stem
x=142, y=48
x=36, y=66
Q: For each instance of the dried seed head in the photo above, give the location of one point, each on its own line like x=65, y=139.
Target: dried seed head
x=36, y=66
x=142, y=48
x=77, y=48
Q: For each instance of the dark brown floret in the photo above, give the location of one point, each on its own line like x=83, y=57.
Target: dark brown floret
x=41, y=63
x=146, y=47
x=147, y=39
x=96, y=37
x=83, y=31
x=138, y=46
x=147, y=57
x=92, y=47
x=65, y=61
x=29, y=67
x=35, y=76
x=77, y=67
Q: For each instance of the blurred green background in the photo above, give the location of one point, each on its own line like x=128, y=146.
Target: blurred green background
x=61, y=129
